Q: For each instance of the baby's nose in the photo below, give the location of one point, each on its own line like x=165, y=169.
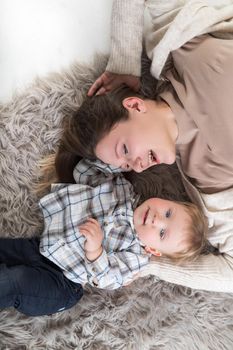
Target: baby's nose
x=158, y=221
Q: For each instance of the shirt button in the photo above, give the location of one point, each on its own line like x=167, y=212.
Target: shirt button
x=105, y=223
x=123, y=213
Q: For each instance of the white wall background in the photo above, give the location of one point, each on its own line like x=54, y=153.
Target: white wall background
x=40, y=36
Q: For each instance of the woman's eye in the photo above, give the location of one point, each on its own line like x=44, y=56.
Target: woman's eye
x=125, y=149
x=168, y=213
x=162, y=233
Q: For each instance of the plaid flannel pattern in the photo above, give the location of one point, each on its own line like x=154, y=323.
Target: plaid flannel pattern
x=100, y=192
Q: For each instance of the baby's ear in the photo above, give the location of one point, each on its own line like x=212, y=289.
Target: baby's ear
x=153, y=251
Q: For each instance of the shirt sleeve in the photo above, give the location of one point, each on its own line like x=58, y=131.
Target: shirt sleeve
x=116, y=268
x=126, y=37
x=94, y=173
x=111, y=270
x=68, y=256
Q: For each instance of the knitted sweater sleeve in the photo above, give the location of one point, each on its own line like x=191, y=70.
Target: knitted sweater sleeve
x=126, y=37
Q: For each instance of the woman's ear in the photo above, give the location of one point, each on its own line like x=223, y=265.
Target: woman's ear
x=134, y=103
x=153, y=251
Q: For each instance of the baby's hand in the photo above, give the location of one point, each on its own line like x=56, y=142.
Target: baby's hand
x=94, y=236
x=110, y=81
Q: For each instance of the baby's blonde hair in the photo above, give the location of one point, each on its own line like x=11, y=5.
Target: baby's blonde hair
x=47, y=175
x=196, y=232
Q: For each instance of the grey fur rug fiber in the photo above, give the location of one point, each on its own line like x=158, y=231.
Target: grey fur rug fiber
x=145, y=315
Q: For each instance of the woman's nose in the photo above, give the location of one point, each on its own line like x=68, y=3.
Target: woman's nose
x=137, y=165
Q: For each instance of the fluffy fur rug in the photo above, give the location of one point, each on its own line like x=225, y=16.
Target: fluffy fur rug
x=147, y=314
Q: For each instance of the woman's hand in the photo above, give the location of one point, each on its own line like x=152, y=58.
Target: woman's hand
x=110, y=81
x=94, y=236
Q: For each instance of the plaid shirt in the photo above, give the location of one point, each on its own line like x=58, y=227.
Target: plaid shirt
x=100, y=192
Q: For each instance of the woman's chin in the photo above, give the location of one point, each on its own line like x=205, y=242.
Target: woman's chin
x=171, y=158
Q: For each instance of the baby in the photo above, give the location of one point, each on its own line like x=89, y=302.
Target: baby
x=95, y=232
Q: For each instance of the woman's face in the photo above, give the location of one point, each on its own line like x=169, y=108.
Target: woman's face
x=145, y=139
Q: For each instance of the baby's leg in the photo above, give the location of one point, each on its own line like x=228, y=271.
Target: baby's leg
x=16, y=251
x=36, y=291
x=31, y=283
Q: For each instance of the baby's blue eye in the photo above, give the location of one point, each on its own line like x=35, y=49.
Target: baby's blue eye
x=125, y=149
x=168, y=213
x=162, y=233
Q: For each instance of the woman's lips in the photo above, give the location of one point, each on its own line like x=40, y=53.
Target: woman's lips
x=156, y=158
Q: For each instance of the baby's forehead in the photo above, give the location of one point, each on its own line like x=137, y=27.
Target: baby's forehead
x=187, y=221
x=186, y=211
x=183, y=240
x=185, y=236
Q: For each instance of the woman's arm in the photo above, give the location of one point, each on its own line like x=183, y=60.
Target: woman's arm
x=126, y=37
x=209, y=272
x=124, y=65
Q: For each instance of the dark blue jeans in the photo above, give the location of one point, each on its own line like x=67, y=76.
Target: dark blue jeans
x=31, y=283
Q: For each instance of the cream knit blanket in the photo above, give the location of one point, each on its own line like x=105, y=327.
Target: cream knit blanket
x=171, y=24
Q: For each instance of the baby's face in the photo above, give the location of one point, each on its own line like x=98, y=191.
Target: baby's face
x=162, y=225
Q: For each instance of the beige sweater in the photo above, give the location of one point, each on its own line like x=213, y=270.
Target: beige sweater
x=172, y=24
x=200, y=94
